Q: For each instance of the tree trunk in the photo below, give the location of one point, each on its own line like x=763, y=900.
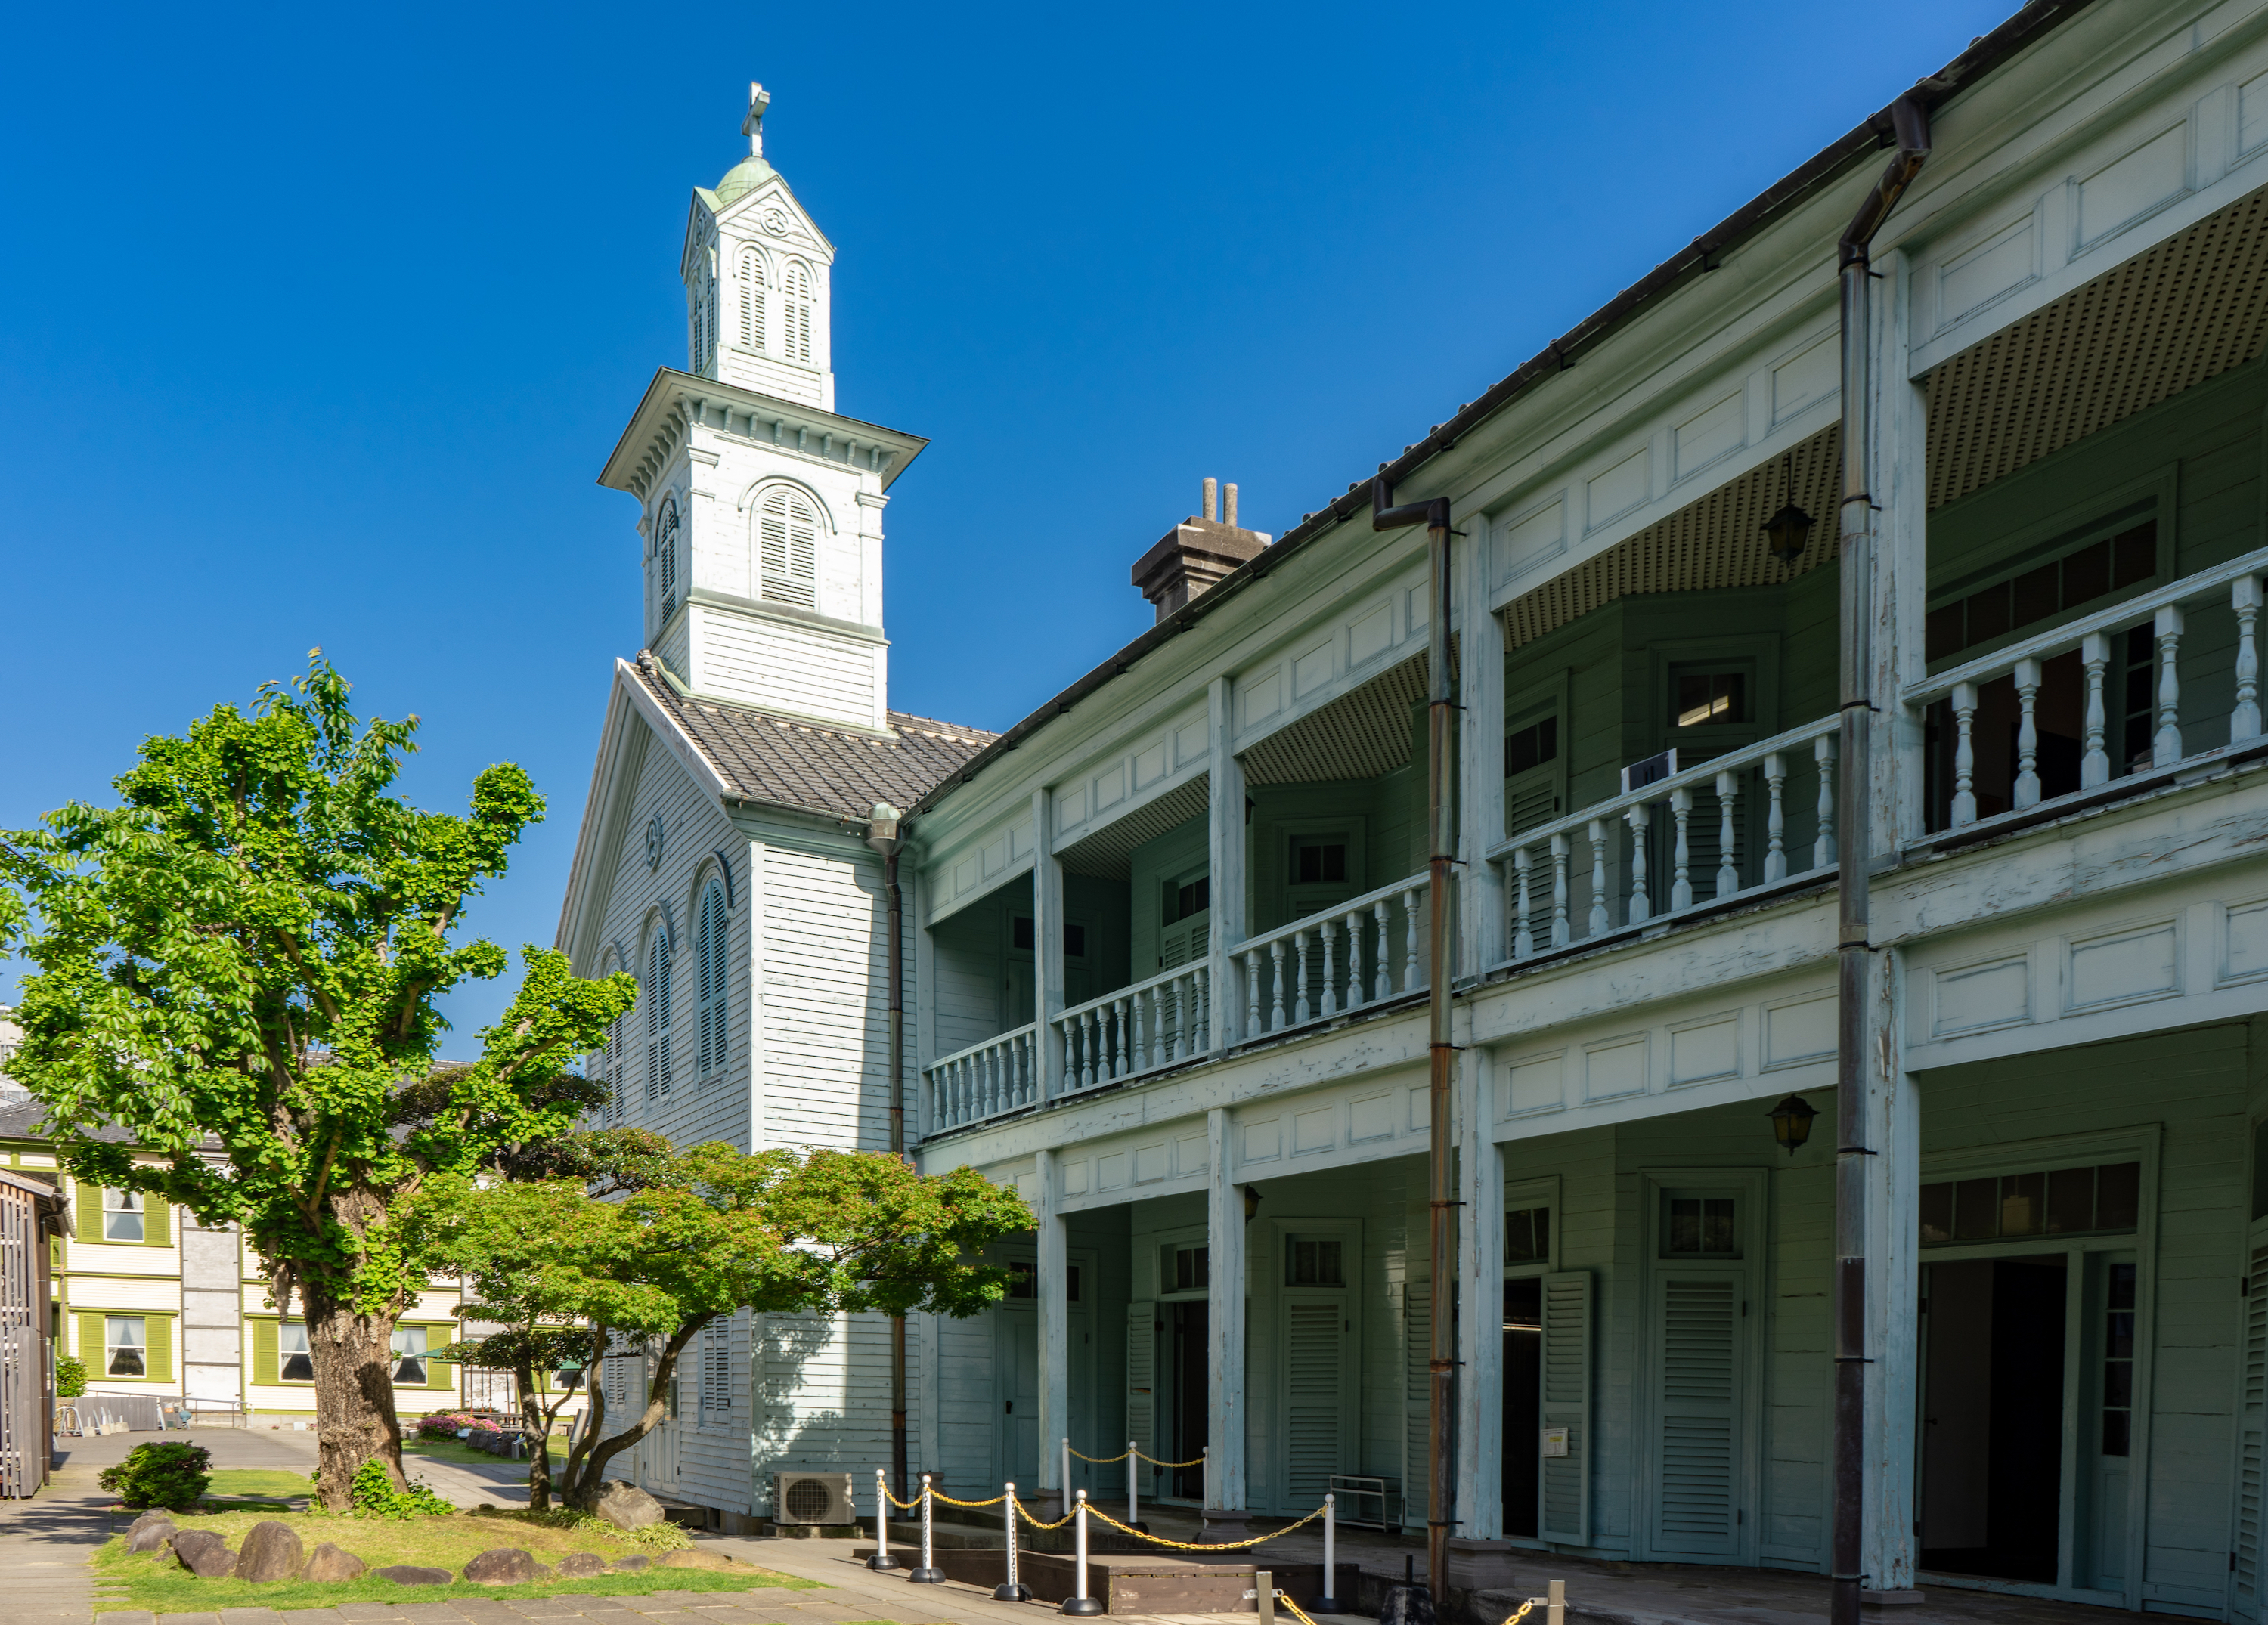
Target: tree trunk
x=587, y=1465
x=538, y=1423
x=355, y=1420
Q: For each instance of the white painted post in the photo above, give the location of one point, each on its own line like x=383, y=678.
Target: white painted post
x=1681, y=883
x=2244, y=721
x=1328, y=1601
x=1559, y=930
x=1078, y=1602
x=1964, y=754
x=1013, y=1589
x=929, y=1573
x=1066, y=1464
x=1226, y=857
x=1728, y=794
x=2094, y=766
x=1639, y=907
x=1049, y=1055
x=1050, y=1294
x=2166, y=744
x=1479, y=1262
x=1224, y=1224
x=1823, y=843
x=1775, y=818
x=2028, y=734
x=881, y=1560
x=1598, y=924
x=1480, y=754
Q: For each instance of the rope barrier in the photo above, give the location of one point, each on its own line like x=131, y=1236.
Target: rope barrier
x=1201, y=1546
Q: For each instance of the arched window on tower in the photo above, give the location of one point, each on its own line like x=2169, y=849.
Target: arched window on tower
x=709, y=966
x=795, y=335
x=657, y=1017
x=787, y=529
x=752, y=302
x=665, y=558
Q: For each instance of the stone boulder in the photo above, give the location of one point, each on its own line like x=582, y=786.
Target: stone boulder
x=204, y=1554
x=149, y=1533
x=694, y=1558
x=327, y=1564
x=631, y=1564
x=270, y=1551
x=626, y=1506
x=506, y=1565
x=581, y=1565
x=410, y=1574
x=146, y=1521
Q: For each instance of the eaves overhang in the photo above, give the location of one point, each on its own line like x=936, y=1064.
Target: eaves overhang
x=1875, y=134
x=674, y=401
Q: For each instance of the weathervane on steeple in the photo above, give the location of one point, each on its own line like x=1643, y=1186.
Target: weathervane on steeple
x=753, y=126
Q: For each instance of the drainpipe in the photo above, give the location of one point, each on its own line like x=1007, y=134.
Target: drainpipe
x=882, y=835
x=1854, y=840
x=1441, y=820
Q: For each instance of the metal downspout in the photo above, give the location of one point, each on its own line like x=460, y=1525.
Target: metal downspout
x=1441, y=815
x=885, y=835
x=1854, y=841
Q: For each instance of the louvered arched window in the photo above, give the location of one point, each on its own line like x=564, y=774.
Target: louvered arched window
x=795, y=333
x=787, y=534
x=665, y=556
x=656, y=1018
x=752, y=302
x=709, y=966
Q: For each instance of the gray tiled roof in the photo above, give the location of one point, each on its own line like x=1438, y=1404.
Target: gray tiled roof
x=766, y=758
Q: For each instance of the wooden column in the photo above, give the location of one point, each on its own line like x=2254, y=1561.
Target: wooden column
x=1480, y=1271
x=1482, y=936
x=1225, y=1488
x=1894, y=1282
x=921, y=1117
x=1051, y=1295
x=1226, y=858
x=1046, y=945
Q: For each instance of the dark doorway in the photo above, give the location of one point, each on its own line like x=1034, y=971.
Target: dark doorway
x=1192, y=1390
x=1523, y=1403
x=1993, y=1416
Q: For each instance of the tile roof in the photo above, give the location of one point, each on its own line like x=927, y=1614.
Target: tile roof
x=766, y=758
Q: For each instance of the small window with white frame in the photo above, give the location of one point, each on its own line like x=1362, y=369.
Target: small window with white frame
x=126, y=1345
x=124, y=1217
x=294, y=1362
x=409, y=1356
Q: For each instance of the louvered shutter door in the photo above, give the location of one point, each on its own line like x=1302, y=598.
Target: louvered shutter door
x=266, y=1363
x=1316, y=1404
x=86, y=1210
x=1697, y=1469
x=157, y=1222
x=1531, y=798
x=1142, y=1383
x=662, y=1002
x=2252, y=1416
x=157, y=1353
x=1563, y=1498
x=1418, y=1338
x=788, y=532
x=702, y=981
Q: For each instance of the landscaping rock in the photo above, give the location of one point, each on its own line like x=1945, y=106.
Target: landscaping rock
x=149, y=1533
x=146, y=1521
x=410, y=1574
x=581, y=1565
x=694, y=1558
x=270, y=1551
x=506, y=1565
x=328, y=1564
x=204, y=1554
x=626, y=1506
x=631, y=1564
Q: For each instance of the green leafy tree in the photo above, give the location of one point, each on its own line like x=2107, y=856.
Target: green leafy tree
x=701, y=1235
x=239, y=964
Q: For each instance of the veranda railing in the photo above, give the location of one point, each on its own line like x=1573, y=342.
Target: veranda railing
x=1361, y=951
x=984, y=1080
x=1137, y=1029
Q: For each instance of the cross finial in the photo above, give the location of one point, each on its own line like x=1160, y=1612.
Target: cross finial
x=753, y=126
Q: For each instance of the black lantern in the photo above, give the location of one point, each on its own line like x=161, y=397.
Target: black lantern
x=1791, y=1121
x=1251, y=1202
x=1790, y=529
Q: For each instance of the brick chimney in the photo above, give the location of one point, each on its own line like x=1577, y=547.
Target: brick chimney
x=1196, y=554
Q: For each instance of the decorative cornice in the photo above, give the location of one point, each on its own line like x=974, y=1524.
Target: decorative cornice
x=677, y=402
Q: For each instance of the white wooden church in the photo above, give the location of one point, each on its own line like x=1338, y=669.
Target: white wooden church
x=1165, y=937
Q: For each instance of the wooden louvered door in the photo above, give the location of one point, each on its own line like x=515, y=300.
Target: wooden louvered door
x=1564, y=1489
x=1141, y=1333
x=2251, y=1423
x=1318, y=1408
x=1699, y=1374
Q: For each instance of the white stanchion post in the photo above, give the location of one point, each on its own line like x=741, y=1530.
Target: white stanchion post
x=1133, y=1485
x=1328, y=1602
x=881, y=1560
x=1078, y=1602
x=1066, y=1475
x=1013, y=1589
x=929, y=1573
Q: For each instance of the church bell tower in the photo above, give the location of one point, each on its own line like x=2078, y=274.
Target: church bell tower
x=761, y=528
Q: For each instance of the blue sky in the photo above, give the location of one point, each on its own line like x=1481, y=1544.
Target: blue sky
x=319, y=321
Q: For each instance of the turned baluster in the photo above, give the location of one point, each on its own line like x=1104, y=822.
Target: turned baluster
x=1559, y=928
x=1300, y=1008
x=1118, y=1020
x=2166, y=745
x=1276, y=992
x=2095, y=766
x=1354, y=960
x=1523, y=943
x=1410, y=938
x=1639, y=907
x=1201, y=996
x=1680, y=852
x=1964, y=754
x=2244, y=721
x=1161, y=1043
x=1384, y=956
x=2028, y=734
x=1598, y=924
x=1085, y=1025
x=1329, y=931
x=1728, y=874
x=1141, y=1059
x=1775, y=818
x=1185, y=1024
x=1252, y=1027
x=1823, y=839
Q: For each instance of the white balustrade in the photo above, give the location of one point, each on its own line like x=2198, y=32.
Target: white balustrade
x=1348, y=957
x=1137, y=1029
x=2104, y=642
x=1632, y=847
x=984, y=1080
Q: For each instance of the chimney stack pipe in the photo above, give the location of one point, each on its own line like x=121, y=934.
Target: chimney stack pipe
x=1211, y=508
x=1228, y=504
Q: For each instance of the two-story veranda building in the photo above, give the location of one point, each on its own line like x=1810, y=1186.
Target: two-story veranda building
x=1171, y=966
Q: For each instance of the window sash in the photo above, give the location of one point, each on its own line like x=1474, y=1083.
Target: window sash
x=126, y=1340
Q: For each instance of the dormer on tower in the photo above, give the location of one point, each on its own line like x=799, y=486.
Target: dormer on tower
x=756, y=273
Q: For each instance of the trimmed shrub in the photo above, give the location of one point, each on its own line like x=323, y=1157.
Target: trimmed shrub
x=172, y=1475
x=71, y=1378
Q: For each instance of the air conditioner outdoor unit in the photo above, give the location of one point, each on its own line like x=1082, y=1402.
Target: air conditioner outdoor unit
x=813, y=1498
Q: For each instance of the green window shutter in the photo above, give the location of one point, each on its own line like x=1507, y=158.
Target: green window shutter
x=1418, y=1341
x=157, y=1222
x=1142, y=1386
x=1316, y=1402
x=1697, y=1474
x=264, y=1359
x=86, y=1215
x=2252, y=1412
x=158, y=1356
x=438, y=1375
x=91, y=1345
x=1564, y=1493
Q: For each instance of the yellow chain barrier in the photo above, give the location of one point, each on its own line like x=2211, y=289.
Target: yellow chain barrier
x=949, y=1501
x=1025, y=1513
x=903, y=1506
x=1298, y=1612
x=1199, y=1546
x=1100, y=1461
x=1154, y=1462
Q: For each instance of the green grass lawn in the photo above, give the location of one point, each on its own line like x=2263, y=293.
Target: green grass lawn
x=457, y=1450
x=256, y=1483
x=432, y=1542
